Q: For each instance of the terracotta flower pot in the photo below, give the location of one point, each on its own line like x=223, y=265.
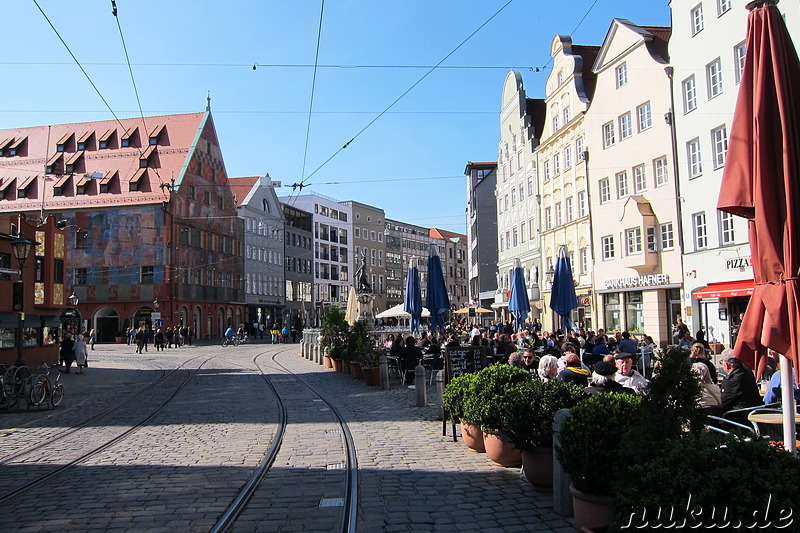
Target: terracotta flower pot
x=538, y=467
x=500, y=450
x=337, y=365
x=473, y=437
x=327, y=362
x=592, y=511
x=372, y=376
x=355, y=370
x=345, y=367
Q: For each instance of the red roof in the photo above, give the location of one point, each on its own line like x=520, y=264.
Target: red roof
x=241, y=187
x=167, y=162
x=437, y=233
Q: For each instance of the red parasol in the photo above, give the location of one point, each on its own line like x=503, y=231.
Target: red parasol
x=761, y=182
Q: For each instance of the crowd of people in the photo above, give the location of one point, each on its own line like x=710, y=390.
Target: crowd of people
x=598, y=361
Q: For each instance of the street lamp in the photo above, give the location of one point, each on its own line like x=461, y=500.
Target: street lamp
x=73, y=300
x=22, y=248
x=550, y=275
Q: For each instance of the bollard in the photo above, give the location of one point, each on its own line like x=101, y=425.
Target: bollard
x=383, y=364
x=419, y=384
x=440, y=392
x=303, y=350
x=562, y=498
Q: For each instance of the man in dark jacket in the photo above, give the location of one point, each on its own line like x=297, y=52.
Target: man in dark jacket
x=739, y=388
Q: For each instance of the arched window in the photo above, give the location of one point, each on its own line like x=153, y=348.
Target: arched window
x=265, y=205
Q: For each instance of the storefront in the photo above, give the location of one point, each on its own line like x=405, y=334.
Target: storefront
x=641, y=304
x=722, y=307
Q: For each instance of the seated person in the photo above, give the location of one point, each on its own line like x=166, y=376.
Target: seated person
x=627, y=376
x=711, y=399
x=530, y=360
x=516, y=359
x=229, y=333
x=686, y=341
x=548, y=368
x=627, y=344
x=603, y=380
x=739, y=388
x=410, y=356
x=698, y=355
x=573, y=372
x=773, y=394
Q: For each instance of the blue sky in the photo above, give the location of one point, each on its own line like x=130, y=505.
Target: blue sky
x=409, y=161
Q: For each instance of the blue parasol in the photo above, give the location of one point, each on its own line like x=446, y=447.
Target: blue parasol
x=412, y=304
x=518, y=303
x=436, y=299
x=562, y=297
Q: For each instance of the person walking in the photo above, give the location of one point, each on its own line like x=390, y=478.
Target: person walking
x=274, y=332
x=169, y=336
x=92, y=338
x=67, y=352
x=158, y=340
x=81, y=353
x=139, y=337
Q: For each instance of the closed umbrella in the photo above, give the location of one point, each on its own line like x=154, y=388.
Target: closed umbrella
x=412, y=303
x=436, y=299
x=761, y=182
x=351, y=315
x=518, y=303
x=562, y=296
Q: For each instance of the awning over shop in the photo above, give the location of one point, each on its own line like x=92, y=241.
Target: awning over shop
x=726, y=289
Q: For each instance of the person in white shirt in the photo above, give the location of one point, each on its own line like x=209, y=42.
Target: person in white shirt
x=627, y=376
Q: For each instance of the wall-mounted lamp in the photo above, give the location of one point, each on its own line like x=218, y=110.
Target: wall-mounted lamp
x=691, y=274
x=73, y=300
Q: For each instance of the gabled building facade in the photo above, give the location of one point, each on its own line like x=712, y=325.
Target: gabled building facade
x=563, y=173
x=633, y=200
x=299, y=257
x=369, y=246
x=517, y=192
x=263, y=221
x=153, y=237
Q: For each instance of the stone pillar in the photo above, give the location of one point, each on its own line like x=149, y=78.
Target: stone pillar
x=562, y=498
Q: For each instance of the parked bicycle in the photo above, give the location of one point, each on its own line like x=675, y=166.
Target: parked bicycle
x=42, y=389
x=13, y=382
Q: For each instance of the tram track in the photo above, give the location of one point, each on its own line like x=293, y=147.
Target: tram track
x=83, y=456
x=348, y=515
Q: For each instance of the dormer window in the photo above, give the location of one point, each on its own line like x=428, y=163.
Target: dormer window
x=127, y=138
x=83, y=140
x=4, y=144
x=53, y=165
x=73, y=162
x=63, y=143
x=16, y=147
x=155, y=134
x=133, y=183
x=145, y=157
x=22, y=188
x=104, y=141
x=105, y=182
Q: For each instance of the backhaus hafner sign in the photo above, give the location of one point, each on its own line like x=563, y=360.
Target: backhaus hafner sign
x=637, y=281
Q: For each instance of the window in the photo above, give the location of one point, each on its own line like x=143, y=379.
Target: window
x=146, y=274
x=530, y=187
x=555, y=118
x=625, y=126
x=622, y=184
x=633, y=238
x=645, y=116
x=579, y=148
x=570, y=209
x=605, y=191
x=608, y=134
x=667, y=236
x=522, y=232
x=608, y=247
x=723, y=6
x=548, y=218
x=567, y=114
x=689, y=94
x=639, y=179
x=622, y=75
x=660, y=171
x=714, y=78
x=697, y=19
x=700, y=231
x=556, y=164
x=357, y=232
x=521, y=193
x=584, y=260
x=513, y=197
x=719, y=142
x=726, y=228
x=515, y=237
x=693, y=153
x=559, y=218
x=739, y=52
x=582, y=204
x=652, y=243
x=568, y=156
x=547, y=170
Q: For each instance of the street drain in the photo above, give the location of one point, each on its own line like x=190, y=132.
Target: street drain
x=331, y=502
x=339, y=466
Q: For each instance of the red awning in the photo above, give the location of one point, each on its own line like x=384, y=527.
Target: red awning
x=726, y=289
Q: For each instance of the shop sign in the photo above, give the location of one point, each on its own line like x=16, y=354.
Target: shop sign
x=638, y=281
x=737, y=263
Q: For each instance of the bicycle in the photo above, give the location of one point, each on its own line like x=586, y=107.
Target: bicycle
x=14, y=381
x=43, y=389
x=228, y=342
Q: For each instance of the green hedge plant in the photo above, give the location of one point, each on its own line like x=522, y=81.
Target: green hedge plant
x=455, y=394
x=490, y=404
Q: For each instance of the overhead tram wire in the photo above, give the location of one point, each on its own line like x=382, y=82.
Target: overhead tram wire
x=453, y=51
x=313, y=86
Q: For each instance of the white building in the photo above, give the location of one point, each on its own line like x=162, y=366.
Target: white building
x=264, y=286
x=634, y=213
x=707, y=53
x=517, y=193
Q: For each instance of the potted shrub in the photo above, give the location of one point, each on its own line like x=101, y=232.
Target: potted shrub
x=370, y=367
x=333, y=334
x=454, y=398
x=590, y=450
x=489, y=405
x=529, y=423
x=119, y=337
